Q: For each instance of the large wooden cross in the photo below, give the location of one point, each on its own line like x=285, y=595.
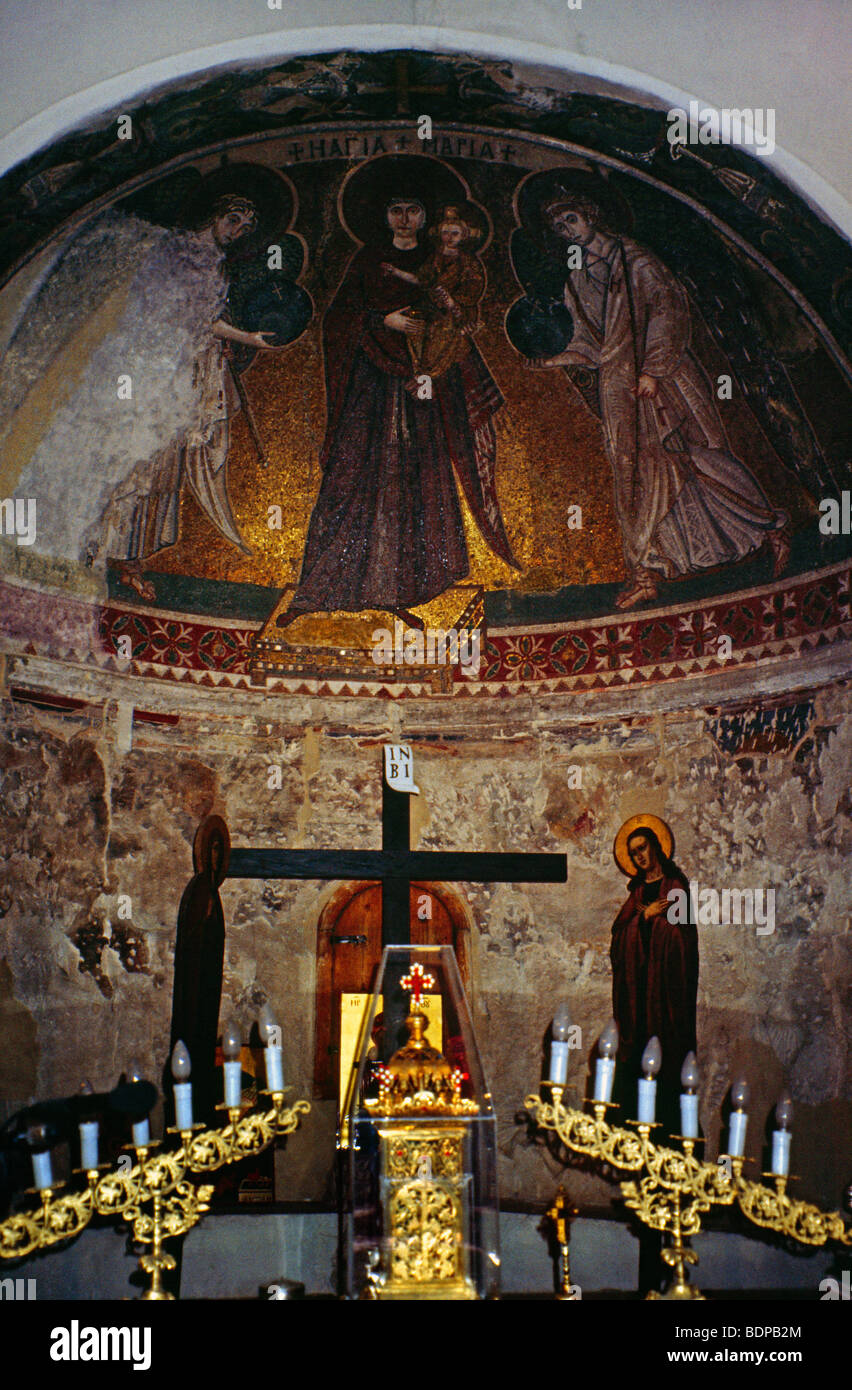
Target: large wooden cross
x=199, y=948
x=396, y=864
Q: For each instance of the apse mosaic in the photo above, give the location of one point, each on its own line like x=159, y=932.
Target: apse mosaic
x=357, y=368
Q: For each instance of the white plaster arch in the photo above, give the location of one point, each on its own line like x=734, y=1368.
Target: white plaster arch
x=110, y=94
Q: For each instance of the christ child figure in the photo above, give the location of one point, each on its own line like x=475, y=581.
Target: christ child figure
x=452, y=282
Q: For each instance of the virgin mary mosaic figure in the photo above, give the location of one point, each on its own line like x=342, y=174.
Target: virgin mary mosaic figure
x=386, y=530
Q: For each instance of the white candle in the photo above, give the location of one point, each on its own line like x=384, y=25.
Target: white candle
x=605, y=1066
x=604, y=1077
x=647, y=1106
x=558, y=1062
x=689, y=1098
x=233, y=1084
x=739, y=1119
x=559, y=1047
x=274, y=1068
x=737, y=1134
x=781, y=1136
x=232, y=1042
x=183, y=1104
x=652, y=1060
x=42, y=1170
x=689, y=1115
x=142, y=1133
x=270, y=1034
x=181, y=1068
x=781, y=1139
x=89, y=1145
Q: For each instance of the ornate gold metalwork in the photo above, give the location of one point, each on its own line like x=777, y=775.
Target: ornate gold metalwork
x=157, y=1177
x=407, y=1154
x=418, y=1079
x=775, y=1211
x=56, y=1220
x=422, y=1180
x=561, y=1214
x=425, y=1220
x=422, y=1191
x=678, y=1187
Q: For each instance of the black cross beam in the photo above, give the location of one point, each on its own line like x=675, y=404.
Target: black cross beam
x=200, y=939
x=403, y=87
x=396, y=864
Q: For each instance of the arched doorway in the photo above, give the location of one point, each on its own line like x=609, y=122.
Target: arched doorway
x=349, y=949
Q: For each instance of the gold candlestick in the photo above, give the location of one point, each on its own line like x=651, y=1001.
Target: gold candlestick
x=158, y=1178
x=678, y=1187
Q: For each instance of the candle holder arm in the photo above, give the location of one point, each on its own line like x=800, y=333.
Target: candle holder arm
x=774, y=1210
x=57, y=1219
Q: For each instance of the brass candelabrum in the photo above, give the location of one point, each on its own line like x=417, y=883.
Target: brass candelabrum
x=677, y=1187
x=157, y=1179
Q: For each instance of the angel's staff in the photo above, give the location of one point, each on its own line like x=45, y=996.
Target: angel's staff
x=249, y=415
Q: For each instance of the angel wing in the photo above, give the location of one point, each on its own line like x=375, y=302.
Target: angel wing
x=69, y=290
x=763, y=337
x=125, y=301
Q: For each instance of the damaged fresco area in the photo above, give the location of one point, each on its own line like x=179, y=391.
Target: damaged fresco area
x=85, y=822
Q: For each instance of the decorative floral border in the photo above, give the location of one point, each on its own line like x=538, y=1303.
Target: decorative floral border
x=667, y=644
x=645, y=648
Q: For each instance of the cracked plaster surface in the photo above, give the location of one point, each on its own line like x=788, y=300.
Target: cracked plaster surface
x=86, y=826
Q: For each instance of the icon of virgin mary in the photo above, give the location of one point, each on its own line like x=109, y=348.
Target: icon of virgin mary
x=654, y=963
x=386, y=530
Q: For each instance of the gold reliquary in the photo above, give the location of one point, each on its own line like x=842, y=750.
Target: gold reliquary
x=420, y=1130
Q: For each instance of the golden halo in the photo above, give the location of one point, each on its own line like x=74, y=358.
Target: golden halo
x=660, y=829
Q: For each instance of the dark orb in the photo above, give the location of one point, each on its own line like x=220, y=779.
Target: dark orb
x=539, y=328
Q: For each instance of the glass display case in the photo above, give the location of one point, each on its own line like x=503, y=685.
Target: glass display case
x=420, y=1130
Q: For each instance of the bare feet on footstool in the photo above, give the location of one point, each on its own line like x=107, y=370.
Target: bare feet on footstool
x=779, y=543
x=410, y=619
x=131, y=575
x=642, y=590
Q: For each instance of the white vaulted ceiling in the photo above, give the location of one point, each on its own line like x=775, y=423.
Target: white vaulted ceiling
x=62, y=62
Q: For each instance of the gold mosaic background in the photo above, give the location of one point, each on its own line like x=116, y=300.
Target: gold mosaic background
x=550, y=446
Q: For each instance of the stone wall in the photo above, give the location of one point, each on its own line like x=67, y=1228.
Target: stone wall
x=757, y=796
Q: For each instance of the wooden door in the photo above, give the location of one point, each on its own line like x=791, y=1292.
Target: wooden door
x=349, y=950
